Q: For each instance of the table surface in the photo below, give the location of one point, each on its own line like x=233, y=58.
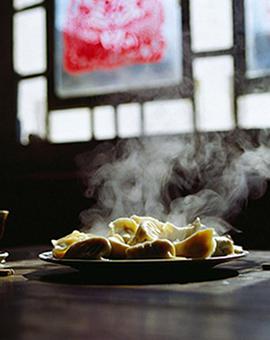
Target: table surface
x=47, y=301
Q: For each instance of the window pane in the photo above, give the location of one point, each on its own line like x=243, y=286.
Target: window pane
x=213, y=93
x=254, y=111
x=211, y=24
x=116, y=46
x=257, y=37
x=19, y=4
x=70, y=125
x=104, y=122
x=29, y=41
x=129, y=120
x=32, y=108
x=168, y=117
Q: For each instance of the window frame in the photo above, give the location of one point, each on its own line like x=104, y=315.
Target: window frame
x=242, y=85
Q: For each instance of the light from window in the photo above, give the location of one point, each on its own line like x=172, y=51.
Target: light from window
x=254, y=111
x=213, y=95
x=30, y=41
x=104, y=122
x=129, y=120
x=19, y=4
x=211, y=24
x=32, y=99
x=168, y=117
x=70, y=125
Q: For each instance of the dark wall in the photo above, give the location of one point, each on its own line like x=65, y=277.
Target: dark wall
x=42, y=189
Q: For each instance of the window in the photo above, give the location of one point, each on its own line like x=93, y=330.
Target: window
x=105, y=48
x=258, y=37
x=212, y=61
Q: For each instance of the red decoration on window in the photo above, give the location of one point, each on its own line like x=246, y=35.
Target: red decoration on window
x=106, y=34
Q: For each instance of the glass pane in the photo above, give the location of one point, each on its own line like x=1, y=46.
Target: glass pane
x=32, y=98
x=104, y=122
x=30, y=41
x=19, y=4
x=168, y=117
x=211, y=24
x=105, y=47
x=129, y=120
x=70, y=125
x=257, y=37
x=213, y=93
x=254, y=111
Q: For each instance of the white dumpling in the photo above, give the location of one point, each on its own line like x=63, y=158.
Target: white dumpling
x=118, y=247
x=62, y=244
x=147, y=231
x=142, y=219
x=151, y=249
x=201, y=245
x=95, y=247
x=124, y=226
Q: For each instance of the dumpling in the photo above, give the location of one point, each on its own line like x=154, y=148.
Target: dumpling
x=142, y=219
x=173, y=233
x=95, y=247
x=118, y=247
x=152, y=249
x=117, y=237
x=126, y=227
x=199, y=245
x=64, y=243
x=197, y=224
x=147, y=231
x=224, y=246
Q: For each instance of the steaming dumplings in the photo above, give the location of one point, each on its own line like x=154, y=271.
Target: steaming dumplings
x=118, y=247
x=146, y=231
x=94, y=247
x=64, y=243
x=199, y=245
x=173, y=233
x=142, y=219
x=145, y=237
x=126, y=227
x=153, y=249
x=224, y=246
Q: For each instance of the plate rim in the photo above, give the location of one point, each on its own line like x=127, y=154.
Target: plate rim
x=47, y=257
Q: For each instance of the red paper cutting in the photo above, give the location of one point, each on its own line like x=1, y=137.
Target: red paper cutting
x=106, y=34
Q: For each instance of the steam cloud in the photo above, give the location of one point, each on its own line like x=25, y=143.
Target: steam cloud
x=176, y=178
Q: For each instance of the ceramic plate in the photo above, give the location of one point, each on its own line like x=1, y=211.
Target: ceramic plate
x=141, y=264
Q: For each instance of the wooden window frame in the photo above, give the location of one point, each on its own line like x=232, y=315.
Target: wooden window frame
x=242, y=85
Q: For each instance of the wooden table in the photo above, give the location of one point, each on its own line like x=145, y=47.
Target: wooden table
x=45, y=301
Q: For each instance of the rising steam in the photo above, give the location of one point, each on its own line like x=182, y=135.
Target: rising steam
x=175, y=179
